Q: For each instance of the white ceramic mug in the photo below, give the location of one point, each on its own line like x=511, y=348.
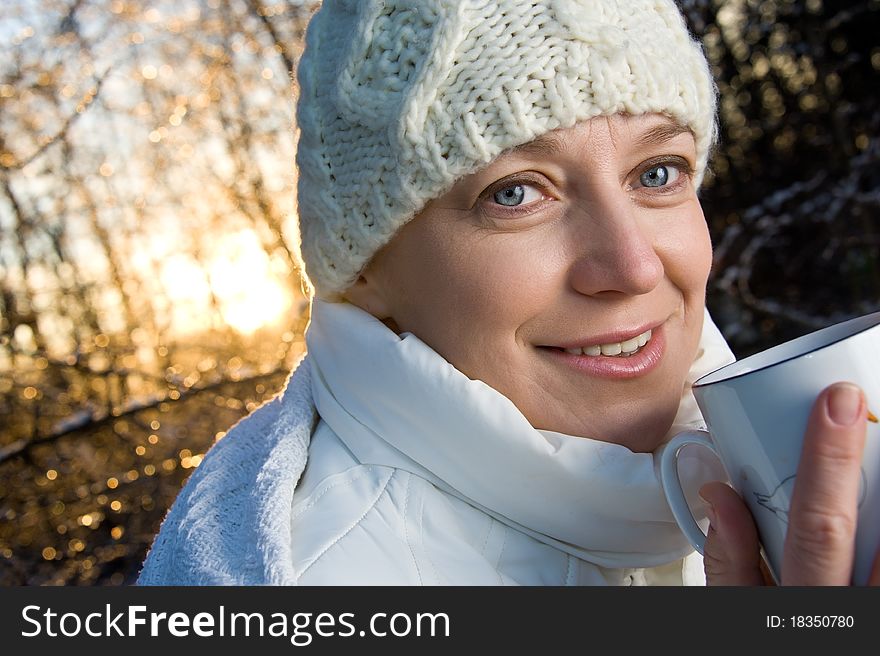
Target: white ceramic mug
x=757, y=410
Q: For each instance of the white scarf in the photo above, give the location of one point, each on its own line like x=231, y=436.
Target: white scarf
x=394, y=401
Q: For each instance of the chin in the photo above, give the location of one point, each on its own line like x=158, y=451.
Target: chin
x=638, y=439
x=645, y=445
x=640, y=426
x=642, y=435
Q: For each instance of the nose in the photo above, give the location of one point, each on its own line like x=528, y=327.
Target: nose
x=616, y=250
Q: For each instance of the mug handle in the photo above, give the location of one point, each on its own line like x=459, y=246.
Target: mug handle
x=672, y=484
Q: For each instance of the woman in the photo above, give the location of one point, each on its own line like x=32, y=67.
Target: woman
x=499, y=216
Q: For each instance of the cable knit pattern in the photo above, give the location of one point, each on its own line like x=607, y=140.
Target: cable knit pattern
x=399, y=99
x=230, y=525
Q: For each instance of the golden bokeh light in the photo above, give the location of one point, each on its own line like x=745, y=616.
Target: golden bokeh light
x=241, y=277
x=165, y=250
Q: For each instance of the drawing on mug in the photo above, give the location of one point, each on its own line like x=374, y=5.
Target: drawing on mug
x=778, y=500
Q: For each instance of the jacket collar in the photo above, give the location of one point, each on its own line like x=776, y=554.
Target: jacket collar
x=395, y=402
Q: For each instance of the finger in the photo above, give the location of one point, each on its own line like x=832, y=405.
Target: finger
x=819, y=543
x=874, y=578
x=731, y=555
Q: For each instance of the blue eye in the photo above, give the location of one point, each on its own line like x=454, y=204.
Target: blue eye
x=659, y=176
x=510, y=196
x=515, y=195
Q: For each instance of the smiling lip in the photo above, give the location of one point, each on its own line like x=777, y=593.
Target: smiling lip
x=641, y=363
x=608, y=338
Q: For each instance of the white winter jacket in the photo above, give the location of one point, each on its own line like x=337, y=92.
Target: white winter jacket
x=418, y=475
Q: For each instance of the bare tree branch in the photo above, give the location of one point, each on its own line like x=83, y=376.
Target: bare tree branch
x=258, y=9
x=88, y=420
x=85, y=102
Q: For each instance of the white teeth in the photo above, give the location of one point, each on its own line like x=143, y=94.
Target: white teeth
x=611, y=349
x=627, y=347
x=630, y=345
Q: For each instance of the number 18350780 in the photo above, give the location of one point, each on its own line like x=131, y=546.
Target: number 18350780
x=810, y=622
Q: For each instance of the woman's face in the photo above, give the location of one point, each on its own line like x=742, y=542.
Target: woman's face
x=540, y=273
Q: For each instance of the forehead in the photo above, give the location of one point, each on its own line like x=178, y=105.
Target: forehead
x=644, y=131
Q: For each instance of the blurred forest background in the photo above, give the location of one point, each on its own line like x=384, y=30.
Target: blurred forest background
x=149, y=296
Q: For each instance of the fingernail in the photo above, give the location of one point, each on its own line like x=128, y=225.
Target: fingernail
x=844, y=403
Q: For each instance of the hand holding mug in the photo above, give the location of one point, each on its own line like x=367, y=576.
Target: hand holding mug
x=820, y=541
x=799, y=459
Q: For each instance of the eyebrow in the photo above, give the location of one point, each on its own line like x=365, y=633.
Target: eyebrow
x=661, y=133
x=550, y=143
x=547, y=145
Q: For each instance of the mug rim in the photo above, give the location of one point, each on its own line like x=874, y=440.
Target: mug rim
x=872, y=320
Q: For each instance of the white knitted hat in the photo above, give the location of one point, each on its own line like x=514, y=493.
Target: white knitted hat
x=399, y=99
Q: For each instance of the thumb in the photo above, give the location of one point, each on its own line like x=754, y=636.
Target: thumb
x=732, y=554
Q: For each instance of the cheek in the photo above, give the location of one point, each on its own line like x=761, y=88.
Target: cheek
x=688, y=250
x=703, y=253
x=502, y=281
x=469, y=296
